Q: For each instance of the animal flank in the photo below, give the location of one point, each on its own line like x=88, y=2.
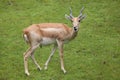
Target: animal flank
x=47, y=41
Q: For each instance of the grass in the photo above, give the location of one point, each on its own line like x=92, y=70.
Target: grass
x=93, y=55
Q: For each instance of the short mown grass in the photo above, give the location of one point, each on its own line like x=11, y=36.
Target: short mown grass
x=93, y=55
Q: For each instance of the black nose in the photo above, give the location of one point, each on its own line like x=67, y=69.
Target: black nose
x=75, y=28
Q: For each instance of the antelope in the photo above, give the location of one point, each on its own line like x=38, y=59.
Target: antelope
x=50, y=33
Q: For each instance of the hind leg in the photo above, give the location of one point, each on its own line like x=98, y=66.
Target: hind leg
x=35, y=62
x=26, y=56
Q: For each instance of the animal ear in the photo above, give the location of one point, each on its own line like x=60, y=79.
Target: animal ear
x=68, y=17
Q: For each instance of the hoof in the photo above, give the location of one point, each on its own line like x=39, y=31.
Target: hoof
x=45, y=68
x=27, y=73
x=64, y=72
x=39, y=68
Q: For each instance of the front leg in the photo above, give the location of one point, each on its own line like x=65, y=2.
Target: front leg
x=60, y=47
x=49, y=58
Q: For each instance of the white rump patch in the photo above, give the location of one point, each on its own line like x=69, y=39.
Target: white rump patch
x=47, y=41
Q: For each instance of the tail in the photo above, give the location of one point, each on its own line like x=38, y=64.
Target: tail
x=26, y=38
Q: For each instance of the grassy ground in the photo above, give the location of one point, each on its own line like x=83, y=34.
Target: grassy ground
x=93, y=55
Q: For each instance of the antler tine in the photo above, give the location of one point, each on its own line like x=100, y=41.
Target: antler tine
x=71, y=13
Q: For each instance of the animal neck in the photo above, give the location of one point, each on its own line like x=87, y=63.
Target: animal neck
x=73, y=34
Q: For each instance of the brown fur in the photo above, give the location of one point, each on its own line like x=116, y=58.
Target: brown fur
x=61, y=35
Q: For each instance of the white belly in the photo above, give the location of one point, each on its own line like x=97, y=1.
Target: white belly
x=47, y=41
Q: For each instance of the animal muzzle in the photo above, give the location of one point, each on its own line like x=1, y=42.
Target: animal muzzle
x=75, y=28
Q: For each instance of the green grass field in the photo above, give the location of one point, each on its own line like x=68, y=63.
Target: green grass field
x=93, y=55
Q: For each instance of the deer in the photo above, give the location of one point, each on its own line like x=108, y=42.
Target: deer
x=50, y=33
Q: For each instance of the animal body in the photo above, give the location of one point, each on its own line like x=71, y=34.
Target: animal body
x=50, y=33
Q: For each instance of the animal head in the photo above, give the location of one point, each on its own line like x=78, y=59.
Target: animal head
x=75, y=20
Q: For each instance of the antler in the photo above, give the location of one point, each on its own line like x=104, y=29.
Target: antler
x=81, y=12
x=71, y=13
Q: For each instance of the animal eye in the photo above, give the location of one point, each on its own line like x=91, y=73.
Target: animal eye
x=78, y=20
